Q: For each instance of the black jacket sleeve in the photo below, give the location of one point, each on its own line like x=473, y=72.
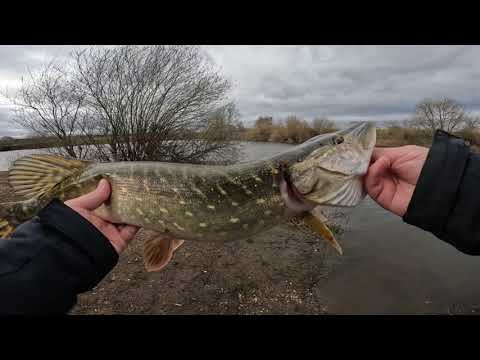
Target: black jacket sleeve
x=446, y=200
x=51, y=259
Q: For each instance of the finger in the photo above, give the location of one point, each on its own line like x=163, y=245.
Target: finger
x=94, y=199
x=375, y=174
x=128, y=232
x=378, y=152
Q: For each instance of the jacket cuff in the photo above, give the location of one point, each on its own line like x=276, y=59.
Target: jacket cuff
x=80, y=232
x=436, y=191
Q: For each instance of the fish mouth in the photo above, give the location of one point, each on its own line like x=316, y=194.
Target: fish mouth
x=335, y=179
x=294, y=200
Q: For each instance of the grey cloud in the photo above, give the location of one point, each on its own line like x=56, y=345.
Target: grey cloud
x=17, y=59
x=342, y=82
x=348, y=81
x=7, y=126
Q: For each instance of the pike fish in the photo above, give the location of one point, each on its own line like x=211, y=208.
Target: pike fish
x=184, y=202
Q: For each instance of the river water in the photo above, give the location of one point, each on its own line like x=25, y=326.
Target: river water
x=388, y=267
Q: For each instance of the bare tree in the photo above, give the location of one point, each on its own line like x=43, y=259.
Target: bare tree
x=133, y=103
x=264, y=122
x=153, y=101
x=263, y=128
x=48, y=105
x=445, y=114
x=323, y=125
x=297, y=130
x=406, y=123
x=472, y=122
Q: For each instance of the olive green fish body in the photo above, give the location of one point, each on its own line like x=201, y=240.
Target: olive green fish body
x=192, y=202
x=211, y=203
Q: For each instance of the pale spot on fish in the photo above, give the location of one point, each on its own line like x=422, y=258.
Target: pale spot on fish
x=268, y=212
x=232, y=180
x=248, y=192
x=161, y=222
x=260, y=201
x=222, y=191
x=199, y=192
x=182, y=202
x=257, y=179
x=245, y=226
x=211, y=207
x=138, y=199
x=140, y=212
x=234, y=220
x=164, y=210
x=234, y=203
x=175, y=190
x=188, y=213
x=178, y=226
x=203, y=225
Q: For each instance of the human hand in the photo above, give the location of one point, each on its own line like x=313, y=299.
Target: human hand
x=119, y=235
x=393, y=175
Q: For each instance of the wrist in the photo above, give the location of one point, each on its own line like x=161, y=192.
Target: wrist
x=435, y=191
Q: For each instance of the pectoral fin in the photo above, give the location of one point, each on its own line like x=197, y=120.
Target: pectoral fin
x=314, y=222
x=320, y=228
x=158, y=250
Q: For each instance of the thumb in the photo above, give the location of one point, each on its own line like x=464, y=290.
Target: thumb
x=94, y=199
x=374, y=178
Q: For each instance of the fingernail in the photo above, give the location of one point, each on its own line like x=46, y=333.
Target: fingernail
x=102, y=185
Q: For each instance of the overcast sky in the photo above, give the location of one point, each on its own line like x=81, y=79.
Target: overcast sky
x=343, y=83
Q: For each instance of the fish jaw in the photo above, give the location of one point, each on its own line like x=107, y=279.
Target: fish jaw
x=332, y=174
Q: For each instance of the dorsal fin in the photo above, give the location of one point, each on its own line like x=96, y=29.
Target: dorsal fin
x=34, y=175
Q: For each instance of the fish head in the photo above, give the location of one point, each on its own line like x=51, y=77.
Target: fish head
x=331, y=171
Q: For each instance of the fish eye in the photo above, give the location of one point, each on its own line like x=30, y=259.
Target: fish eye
x=338, y=140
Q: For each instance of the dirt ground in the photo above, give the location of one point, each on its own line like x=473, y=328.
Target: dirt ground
x=277, y=272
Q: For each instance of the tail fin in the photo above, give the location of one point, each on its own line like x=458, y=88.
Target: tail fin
x=34, y=175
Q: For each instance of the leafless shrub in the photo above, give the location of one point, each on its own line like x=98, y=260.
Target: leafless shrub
x=323, y=125
x=445, y=114
x=132, y=103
